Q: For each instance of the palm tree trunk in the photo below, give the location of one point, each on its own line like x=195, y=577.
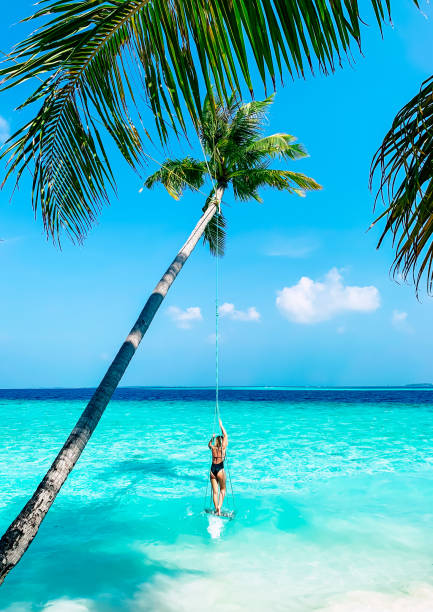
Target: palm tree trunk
x=21, y=532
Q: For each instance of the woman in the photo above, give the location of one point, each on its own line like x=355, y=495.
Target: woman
x=217, y=473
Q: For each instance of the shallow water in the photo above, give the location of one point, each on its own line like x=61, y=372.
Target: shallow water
x=333, y=490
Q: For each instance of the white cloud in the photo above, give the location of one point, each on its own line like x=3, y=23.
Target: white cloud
x=184, y=318
x=293, y=248
x=229, y=310
x=312, y=301
x=398, y=316
x=4, y=130
x=400, y=322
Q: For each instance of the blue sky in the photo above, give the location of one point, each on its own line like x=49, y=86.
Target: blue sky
x=64, y=313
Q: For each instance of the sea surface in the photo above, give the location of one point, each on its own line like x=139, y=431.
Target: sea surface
x=333, y=490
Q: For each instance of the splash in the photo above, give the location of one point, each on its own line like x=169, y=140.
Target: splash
x=215, y=526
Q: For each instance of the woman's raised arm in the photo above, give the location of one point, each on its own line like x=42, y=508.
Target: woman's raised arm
x=225, y=436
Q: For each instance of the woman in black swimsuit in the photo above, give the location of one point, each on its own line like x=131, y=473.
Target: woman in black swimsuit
x=218, y=446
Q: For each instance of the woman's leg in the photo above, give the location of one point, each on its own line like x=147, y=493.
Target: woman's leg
x=214, y=484
x=221, y=476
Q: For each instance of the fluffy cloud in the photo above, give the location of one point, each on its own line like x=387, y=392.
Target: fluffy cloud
x=312, y=301
x=229, y=310
x=4, y=130
x=400, y=322
x=184, y=318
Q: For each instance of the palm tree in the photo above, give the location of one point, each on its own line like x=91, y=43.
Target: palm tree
x=94, y=59
x=404, y=163
x=93, y=62
x=237, y=155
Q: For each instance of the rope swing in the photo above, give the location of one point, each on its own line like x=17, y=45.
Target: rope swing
x=229, y=512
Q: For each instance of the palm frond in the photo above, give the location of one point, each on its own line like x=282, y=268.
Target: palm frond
x=215, y=232
x=230, y=129
x=177, y=175
x=302, y=181
x=247, y=182
x=278, y=145
x=71, y=169
x=247, y=123
x=97, y=58
x=404, y=164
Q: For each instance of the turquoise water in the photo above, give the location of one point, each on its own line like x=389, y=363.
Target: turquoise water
x=333, y=492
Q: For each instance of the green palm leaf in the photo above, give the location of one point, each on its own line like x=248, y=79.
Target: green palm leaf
x=177, y=175
x=216, y=230
x=404, y=164
x=247, y=182
x=97, y=58
x=278, y=145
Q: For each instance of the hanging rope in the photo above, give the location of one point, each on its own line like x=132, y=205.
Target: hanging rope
x=217, y=415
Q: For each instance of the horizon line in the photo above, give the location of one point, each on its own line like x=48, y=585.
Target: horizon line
x=379, y=386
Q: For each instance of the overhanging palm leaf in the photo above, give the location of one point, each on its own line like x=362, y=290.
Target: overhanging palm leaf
x=95, y=58
x=404, y=163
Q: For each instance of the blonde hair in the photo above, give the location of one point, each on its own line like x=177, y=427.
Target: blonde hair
x=218, y=441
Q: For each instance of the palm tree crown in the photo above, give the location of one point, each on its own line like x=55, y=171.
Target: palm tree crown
x=238, y=155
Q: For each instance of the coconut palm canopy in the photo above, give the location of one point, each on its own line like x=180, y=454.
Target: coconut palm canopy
x=95, y=61
x=237, y=156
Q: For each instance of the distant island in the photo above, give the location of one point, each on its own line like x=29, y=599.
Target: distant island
x=420, y=386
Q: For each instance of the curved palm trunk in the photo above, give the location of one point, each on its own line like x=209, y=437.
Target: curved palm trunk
x=21, y=532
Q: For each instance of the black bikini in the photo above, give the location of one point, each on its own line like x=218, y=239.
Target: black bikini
x=216, y=467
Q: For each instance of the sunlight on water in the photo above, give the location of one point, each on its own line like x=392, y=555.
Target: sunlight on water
x=333, y=500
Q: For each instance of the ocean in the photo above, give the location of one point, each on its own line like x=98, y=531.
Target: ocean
x=333, y=490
